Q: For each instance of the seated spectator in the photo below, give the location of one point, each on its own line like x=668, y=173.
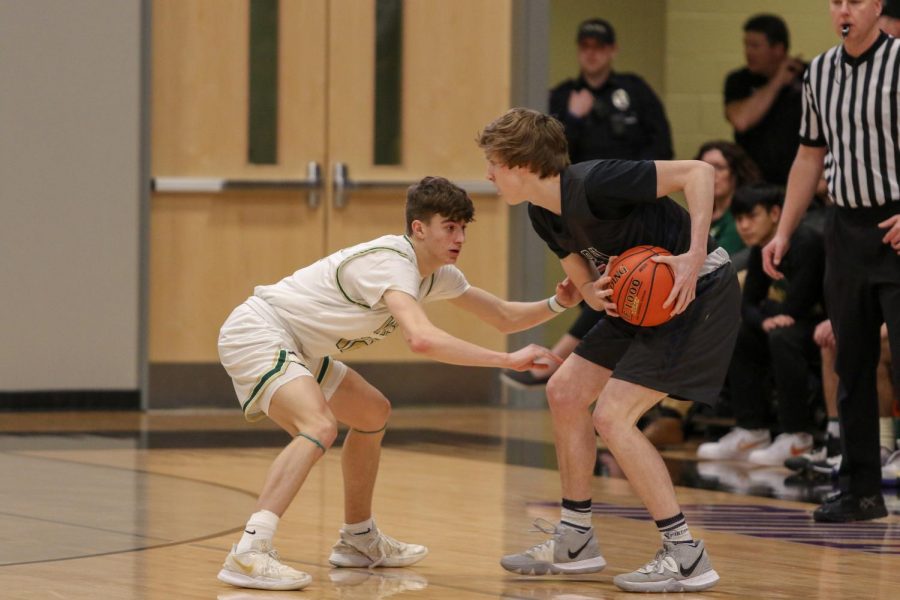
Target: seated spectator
x=734, y=169
x=776, y=337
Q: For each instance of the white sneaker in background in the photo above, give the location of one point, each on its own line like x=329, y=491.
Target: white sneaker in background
x=734, y=445
x=890, y=470
x=785, y=446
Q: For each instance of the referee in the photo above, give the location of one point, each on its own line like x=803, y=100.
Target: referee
x=850, y=109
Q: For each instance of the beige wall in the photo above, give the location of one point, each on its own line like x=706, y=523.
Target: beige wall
x=640, y=32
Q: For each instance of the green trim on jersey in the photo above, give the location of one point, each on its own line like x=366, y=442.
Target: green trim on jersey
x=337, y=272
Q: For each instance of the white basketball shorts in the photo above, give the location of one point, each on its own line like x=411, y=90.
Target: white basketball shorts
x=260, y=356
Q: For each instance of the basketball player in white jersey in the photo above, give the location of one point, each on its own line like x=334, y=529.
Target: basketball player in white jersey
x=277, y=348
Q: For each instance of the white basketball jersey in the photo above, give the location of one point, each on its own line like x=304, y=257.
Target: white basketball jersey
x=336, y=304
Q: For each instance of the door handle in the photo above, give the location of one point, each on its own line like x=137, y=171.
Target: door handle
x=312, y=184
x=342, y=183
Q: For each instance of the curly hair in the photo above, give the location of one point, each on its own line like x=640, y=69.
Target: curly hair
x=437, y=196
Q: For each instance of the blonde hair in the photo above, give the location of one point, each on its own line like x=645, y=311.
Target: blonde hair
x=523, y=137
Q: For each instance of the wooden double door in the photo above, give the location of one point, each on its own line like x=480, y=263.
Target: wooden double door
x=221, y=224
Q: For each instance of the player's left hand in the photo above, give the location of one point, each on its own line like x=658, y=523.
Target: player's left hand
x=892, y=237
x=567, y=294
x=686, y=268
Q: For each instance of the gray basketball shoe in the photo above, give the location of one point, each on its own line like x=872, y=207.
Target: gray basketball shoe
x=681, y=567
x=568, y=552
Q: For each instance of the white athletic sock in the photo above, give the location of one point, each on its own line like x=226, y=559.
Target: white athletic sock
x=361, y=528
x=833, y=429
x=886, y=432
x=261, y=526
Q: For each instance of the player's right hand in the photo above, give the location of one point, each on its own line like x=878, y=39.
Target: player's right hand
x=581, y=102
x=532, y=356
x=772, y=254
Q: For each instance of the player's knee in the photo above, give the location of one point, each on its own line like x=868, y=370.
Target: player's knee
x=610, y=419
x=560, y=395
x=321, y=427
x=376, y=416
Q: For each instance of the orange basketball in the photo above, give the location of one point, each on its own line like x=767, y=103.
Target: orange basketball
x=640, y=286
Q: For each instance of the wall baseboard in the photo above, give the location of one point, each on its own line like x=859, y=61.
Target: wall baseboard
x=207, y=385
x=70, y=400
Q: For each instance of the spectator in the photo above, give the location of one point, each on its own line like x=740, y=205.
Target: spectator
x=776, y=337
x=734, y=169
x=763, y=99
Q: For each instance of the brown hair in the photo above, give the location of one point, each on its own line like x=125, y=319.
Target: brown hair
x=437, y=196
x=742, y=167
x=522, y=137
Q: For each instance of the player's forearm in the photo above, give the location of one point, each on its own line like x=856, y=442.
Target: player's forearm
x=519, y=316
x=746, y=113
x=439, y=345
x=698, y=192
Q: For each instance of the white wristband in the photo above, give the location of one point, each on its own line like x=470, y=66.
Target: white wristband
x=554, y=305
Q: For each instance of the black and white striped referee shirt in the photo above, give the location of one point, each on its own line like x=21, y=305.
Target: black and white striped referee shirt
x=852, y=105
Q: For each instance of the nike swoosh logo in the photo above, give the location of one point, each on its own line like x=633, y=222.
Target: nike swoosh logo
x=250, y=532
x=364, y=532
x=577, y=552
x=248, y=569
x=689, y=570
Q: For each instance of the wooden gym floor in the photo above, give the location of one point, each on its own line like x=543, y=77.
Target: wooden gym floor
x=145, y=506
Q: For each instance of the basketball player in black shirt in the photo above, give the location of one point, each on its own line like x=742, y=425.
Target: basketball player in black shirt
x=588, y=213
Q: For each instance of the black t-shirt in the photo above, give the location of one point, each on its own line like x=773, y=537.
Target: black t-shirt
x=799, y=294
x=609, y=206
x=772, y=143
x=627, y=121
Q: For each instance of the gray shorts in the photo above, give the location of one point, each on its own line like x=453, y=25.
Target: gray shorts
x=688, y=357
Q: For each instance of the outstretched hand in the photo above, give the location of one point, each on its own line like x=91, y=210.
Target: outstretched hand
x=532, y=356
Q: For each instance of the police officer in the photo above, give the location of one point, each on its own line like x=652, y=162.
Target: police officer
x=608, y=114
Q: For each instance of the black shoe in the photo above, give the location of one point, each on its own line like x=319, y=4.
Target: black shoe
x=844, y=507
x=523, y=380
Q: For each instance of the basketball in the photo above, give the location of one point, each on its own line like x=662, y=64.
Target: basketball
x=641, y=285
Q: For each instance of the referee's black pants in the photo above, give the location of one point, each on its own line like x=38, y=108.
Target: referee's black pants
x=862, y=290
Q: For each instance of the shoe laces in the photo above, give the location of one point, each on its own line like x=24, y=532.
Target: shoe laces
x=272, y=565
x=660, y=563
x=542, y=525
x=382, y=547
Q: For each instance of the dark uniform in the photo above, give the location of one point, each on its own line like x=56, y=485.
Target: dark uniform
x=850, y=105
x=609, y=206
x=627, y=121
x=785, y=352
x=771, y=143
